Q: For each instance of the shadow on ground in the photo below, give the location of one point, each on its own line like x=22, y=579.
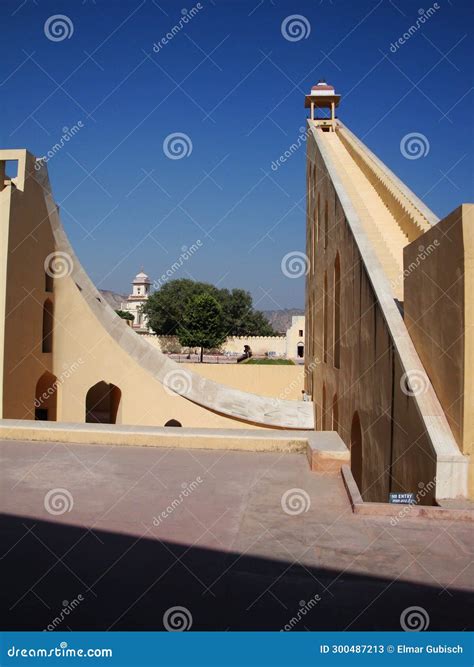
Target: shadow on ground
x=129, y=583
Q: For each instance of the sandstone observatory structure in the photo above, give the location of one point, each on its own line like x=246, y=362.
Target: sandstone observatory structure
x=389, y=318
x=67, y=356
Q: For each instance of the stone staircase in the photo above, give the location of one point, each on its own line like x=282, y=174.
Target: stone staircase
x=380, y=226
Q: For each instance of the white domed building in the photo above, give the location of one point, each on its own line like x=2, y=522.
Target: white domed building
x=141, y=286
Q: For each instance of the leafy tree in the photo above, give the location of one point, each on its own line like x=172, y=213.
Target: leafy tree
x=203, y=323
x=125, y=315
x=166, y=306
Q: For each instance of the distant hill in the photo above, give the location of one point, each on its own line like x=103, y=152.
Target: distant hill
x=281, y=319
x=114, y=299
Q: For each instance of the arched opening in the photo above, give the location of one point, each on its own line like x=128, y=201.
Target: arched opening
x=326, y=224
x=103, y=404
x=335, y=413
x=300, y=350
x=46, y=397
x=323, y=410
x=173, y=422
x=337, y=312
x=47, y=345
x=325, y=318
x=356, y=450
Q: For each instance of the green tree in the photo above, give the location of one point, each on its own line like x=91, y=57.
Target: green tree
x=203, y=323
x=166, y=306
x=125, y=315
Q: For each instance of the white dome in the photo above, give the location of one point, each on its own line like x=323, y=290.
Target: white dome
x=141, y=278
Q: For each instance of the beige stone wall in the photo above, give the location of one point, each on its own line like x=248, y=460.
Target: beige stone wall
x=260, y=345
x=397, y=449
x=439, y=314
x=28, y=244
x=285, y=382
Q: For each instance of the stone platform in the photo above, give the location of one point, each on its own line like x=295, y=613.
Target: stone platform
x=242, y=540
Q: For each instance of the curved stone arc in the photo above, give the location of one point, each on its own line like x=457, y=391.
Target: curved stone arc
x=225, y=400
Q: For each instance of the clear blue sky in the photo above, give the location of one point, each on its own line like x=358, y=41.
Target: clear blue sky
x=235, y=86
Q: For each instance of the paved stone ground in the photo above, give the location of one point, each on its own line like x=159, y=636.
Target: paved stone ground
x=225, y=550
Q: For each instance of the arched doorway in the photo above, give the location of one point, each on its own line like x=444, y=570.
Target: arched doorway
x=103, y=404
x=356, y=451
x=173, y=422
x=46, y=397
x=300, y=350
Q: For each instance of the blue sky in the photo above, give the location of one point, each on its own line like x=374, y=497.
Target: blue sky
x=235, y=86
